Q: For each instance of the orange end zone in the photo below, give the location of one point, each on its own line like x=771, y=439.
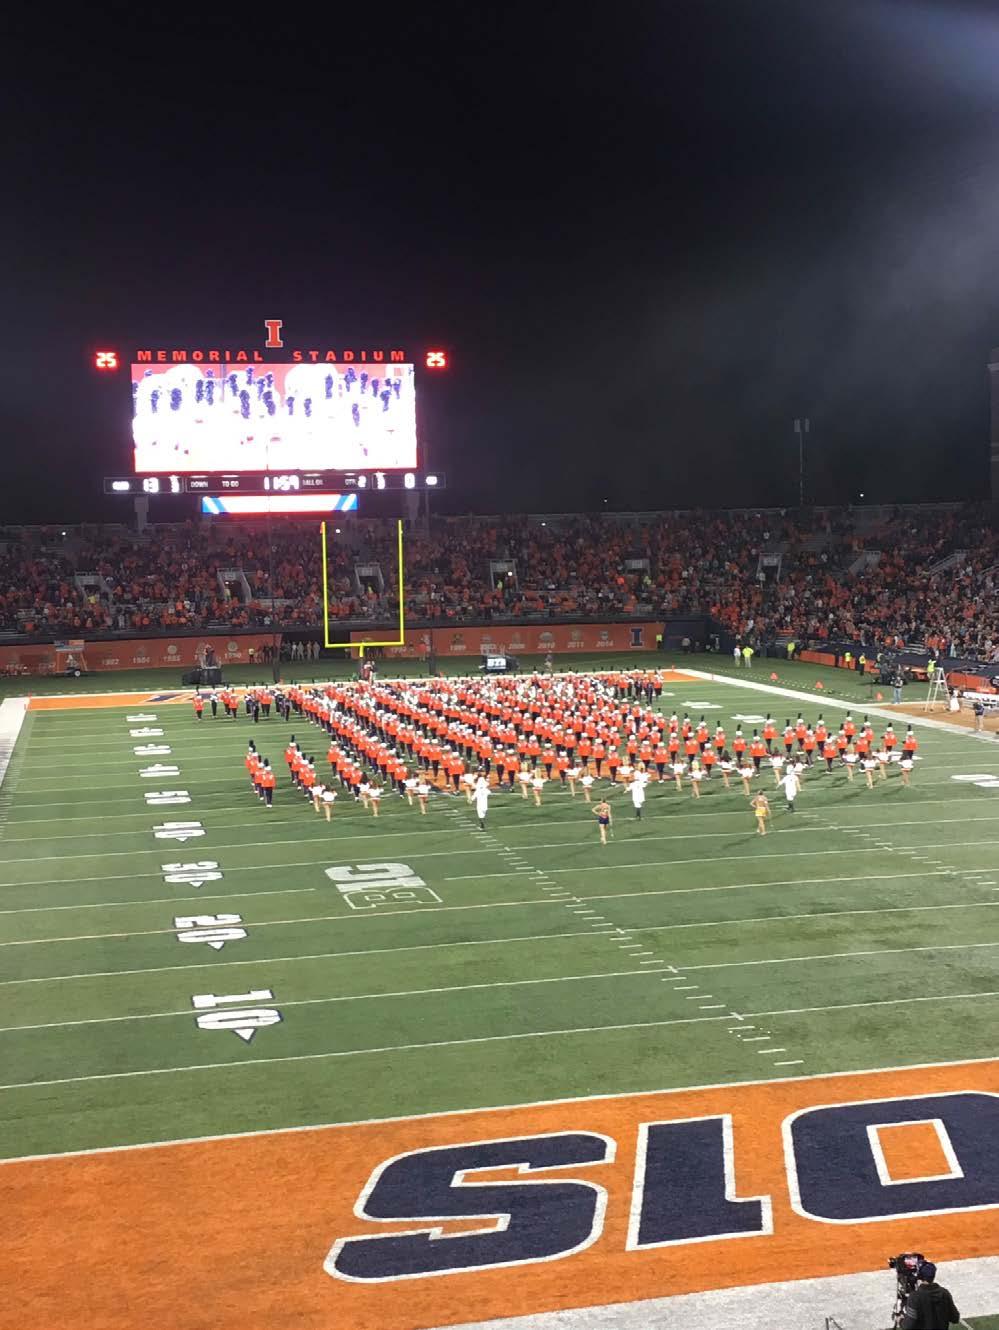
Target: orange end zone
x=96, y=701
x=234, y=1233
x=912, y=1151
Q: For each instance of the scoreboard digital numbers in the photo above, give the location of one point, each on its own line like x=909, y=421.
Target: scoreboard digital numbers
x=277, y=482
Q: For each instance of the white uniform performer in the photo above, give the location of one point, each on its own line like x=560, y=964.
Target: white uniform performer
x=637, y=791
x=791, y=785
x=481, y=801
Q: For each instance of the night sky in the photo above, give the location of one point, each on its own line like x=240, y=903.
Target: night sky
x=651, y=234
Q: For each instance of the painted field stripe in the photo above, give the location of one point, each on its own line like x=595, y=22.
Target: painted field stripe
x=879, y=1002
x=728, y=858
x=560, y=845
x=159, y=900
x=479, y=1039
x=569, y=1101
x=357, y=1052
x=883, y=713
x=281, y=960
x=530, y=904
x=843, y=955
x=315, y=863
x=349, y=997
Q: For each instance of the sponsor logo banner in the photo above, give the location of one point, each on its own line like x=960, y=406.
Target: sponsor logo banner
x=138, y=653
x=514, y=640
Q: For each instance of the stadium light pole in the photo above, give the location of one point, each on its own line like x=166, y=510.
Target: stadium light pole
x=802, y=426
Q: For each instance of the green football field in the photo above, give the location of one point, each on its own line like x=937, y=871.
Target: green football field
x=531, y=964
x=863, y=913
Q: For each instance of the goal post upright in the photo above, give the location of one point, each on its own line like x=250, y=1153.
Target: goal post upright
x=349, y=646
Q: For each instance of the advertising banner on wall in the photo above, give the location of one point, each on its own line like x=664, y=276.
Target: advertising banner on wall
x=137, y=654
x=535, y=639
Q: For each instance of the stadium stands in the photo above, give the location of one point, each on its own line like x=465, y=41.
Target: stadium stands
x=913, y=577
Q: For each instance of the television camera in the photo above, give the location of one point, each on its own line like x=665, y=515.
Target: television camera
x=906, y=1267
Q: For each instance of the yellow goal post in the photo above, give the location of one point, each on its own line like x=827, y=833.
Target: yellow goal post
x=349, y=646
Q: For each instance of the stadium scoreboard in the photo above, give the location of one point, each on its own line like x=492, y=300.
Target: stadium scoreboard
x=273, y=482
x=278, y=420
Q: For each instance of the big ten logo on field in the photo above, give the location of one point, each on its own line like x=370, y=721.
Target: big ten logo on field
x=750, y=1184
x=146, y=732
x=140, y=718
x=214, y=930
x=158, y=769
x=375, y=886
x=152, y=750
x=222, y=1012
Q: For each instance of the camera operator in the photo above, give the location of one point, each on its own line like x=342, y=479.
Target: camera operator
x=929, y=1306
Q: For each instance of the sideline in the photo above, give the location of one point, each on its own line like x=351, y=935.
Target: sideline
x=855, y=1301
x=862, y=709
x=12, y=713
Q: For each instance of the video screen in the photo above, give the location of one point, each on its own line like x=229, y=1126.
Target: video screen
x=273, y=417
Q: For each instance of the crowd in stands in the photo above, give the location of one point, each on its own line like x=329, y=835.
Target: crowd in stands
x=840, y=576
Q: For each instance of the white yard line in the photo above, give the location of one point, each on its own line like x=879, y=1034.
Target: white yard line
x=358, y=1052
x=347, y=997
x=746, y=856
x=315, y=863
x=381, y=836
x=531, y=903
x=571, y=1100
x=280, y=960
x=160, y=900
x=483, y=1039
